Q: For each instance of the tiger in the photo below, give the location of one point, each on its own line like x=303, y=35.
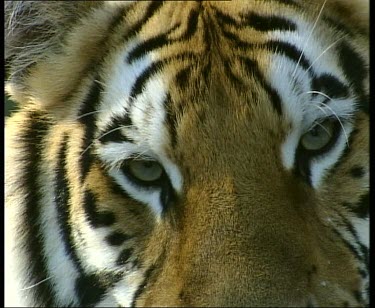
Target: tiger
x=187, y=153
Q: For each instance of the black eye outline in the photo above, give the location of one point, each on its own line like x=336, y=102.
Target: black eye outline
x=334, y=129
x=303, y=156
x=167, y=193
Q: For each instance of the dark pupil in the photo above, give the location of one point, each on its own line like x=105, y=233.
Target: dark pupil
x=148, y=164
x=314, y=132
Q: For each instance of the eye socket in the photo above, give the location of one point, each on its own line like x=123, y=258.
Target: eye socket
x=144, y=171
x=320, y=137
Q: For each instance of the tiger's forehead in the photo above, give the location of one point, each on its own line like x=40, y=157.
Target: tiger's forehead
x=193, y=58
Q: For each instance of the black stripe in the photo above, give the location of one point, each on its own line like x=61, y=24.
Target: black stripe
x=93, y=216
x=349, y=227
x=109, y=134
x=358, y=296
x=63, y=200
x=288, y=50
x=268, y=23
x=206, y=72
x=162, y=39
x=183, y=77
x=171, y=120
x=192, y=25
x=361, y=208
x=150, y=276
x=90, y=104
x=355, y=70
x=144, y=77
x=330, y=86
x=223, y=18
x=279, y=47
x=340, y=27
x=154, y=68
x=142, y=287
x=117, y=238
x=149, y=45
x=256, y=21
x=302, y=165
x=357, y=172
x=153, y=7
x=167, y=194
x=252, y=68
x=124, y=256
x=348, y=245
x=346, y=152
x=32, y=139
x=91, y=288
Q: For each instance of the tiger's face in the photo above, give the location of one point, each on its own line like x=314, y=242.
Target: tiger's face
x=203, y=154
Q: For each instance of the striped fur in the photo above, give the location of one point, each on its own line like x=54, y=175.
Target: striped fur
x=220, y=94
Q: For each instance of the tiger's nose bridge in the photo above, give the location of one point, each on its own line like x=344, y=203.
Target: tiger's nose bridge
x=226, y=275
x=232, y=244
x=231, y=250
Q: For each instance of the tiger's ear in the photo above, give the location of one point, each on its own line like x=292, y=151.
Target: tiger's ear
x=42, y=56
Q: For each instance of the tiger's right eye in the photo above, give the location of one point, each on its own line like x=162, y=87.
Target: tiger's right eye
x=319, y=136
x=318, y=140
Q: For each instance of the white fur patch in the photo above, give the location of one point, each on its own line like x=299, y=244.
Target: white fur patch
x=119, y=77
x=125, y=289
x=148, y=196
x=362, y=227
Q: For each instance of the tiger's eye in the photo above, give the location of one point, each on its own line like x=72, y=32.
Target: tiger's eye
x=318, y=136
x=145, y=170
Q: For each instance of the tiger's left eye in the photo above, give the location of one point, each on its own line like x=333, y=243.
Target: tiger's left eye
x=145, y=170
x=320, y=136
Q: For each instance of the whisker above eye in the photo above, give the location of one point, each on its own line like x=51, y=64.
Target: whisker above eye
x=88, y=114
x=338, y=119
x=36, y=284
x=308, y=38
x=100, y=83
x=323, y=52
x=105, y=134
x=320, y=93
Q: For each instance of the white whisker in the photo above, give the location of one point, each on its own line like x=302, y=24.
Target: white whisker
x=323, y=52
x=111, y=131
x=321, y=93
x=36, y=284
x=141, y=155
x=326, y=130
x=320, y=108
x=88, y=113
x=333, y=113
x=308, y=38
x=100, y=83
